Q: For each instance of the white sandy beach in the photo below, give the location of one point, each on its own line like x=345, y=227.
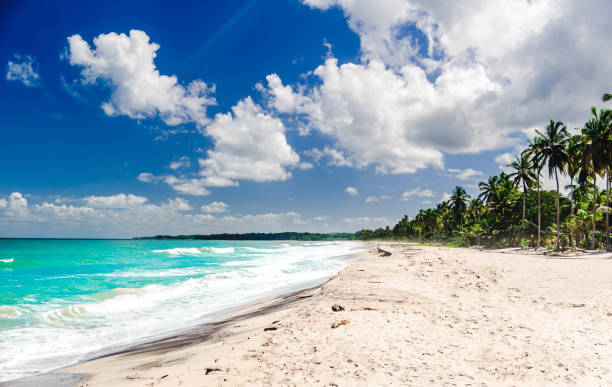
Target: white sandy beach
x=440, y=316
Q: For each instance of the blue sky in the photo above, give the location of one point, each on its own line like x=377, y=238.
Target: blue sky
x=316, y=115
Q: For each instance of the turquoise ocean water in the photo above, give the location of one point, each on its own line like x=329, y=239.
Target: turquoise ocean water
x=63, y=301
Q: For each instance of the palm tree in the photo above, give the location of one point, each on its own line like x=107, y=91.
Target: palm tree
x=458, y=203
x=597, y=152
x=533, y=152
x=574, y=152
x=523, y=174
x=487, y=189
x=583, y=216
x=607, y=97
x=476, y=210
x=553, y=154
x=605, y=122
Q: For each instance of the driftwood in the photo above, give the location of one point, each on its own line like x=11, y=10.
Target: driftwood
x=383, y=253
x=270, y=329
x=304, y=296
x=364, y=308
x=209, y=370
x=337, y=324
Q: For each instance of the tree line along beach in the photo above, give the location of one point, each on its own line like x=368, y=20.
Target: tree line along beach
x=512, y=209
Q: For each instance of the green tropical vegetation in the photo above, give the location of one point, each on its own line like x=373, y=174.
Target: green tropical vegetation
x=512, y=209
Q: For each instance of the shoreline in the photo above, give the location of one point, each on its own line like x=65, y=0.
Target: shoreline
x=261, y=305
x=424, y=315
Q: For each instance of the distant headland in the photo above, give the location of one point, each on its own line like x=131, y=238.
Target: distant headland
x=258, y=236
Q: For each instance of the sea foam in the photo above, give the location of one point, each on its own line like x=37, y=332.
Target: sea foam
x=189, y=251
x=177, y=294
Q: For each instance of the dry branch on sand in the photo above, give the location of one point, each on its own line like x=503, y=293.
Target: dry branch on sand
x=339, y=323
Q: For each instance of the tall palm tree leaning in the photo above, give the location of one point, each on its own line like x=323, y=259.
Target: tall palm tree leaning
x=532, y=152
x=523, y=174
x=553, y=154
x=458, y=202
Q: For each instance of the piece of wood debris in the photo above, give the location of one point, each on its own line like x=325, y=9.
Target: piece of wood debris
x=304, y=296
x=209, y=370
x=337, y=324
x=364, y=308
x=384, y=253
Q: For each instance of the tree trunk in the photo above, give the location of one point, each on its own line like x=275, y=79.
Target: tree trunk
x=524, y=199
x=594, y=209
x=571, y=234
x=558, y=213
x=539, y=171
x=607, y=205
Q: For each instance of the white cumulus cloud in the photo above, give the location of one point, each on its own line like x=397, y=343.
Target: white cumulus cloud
x=443, y=77
x=17, y=201
x=334, y=156
x=189, y=186
x=177, y=204
x=127, y=62
x=465, y=174
x=418, y=192
x=214, y=207
x=249, y=144
x=503, y=160
x=146, y=177
x=115, y=201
